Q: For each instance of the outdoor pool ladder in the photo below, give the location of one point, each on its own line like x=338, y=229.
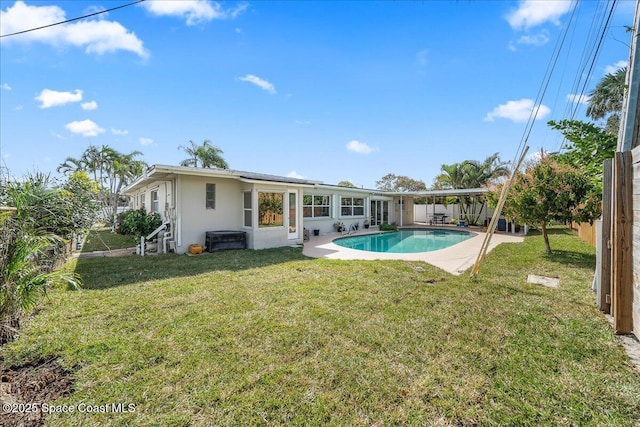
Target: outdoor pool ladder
x=348, y=231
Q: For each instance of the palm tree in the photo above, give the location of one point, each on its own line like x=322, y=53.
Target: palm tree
x=471, y=174
x=606, y=99
x=71, y=165
x=25, y=271
x=109, y=168
x=205, y=155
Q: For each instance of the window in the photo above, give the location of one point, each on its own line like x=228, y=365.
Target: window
x=247, y=209
x=270, y=208
x=155, y=204
x=316, y=206
x=351, y=206
x=211, y=196
x=142, y=201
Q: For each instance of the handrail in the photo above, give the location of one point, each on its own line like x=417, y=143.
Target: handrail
x=157, y=230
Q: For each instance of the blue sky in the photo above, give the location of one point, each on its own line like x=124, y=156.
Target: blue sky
x=327, y=91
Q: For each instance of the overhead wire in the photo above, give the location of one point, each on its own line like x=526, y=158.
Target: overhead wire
x=551, y=65
x=571, y=107
x=72, y=19
x=596, y=52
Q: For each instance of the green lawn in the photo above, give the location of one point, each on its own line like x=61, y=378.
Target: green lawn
x=273, y=338
x=102, y=239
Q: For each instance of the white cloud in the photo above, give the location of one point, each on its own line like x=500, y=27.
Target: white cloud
x=421, y=57
x=359, y=147
x=517, y=111
x=89, y=106
x=119, y=132
x=5, y=86
x=537, y=155
x=84, y=128
x=539, y=39
x=578, y=99
x=303, y=122
x=51, y=98
x=531, y=13
x=193, y=11
x=262, y=84
x=610, y=69
x=145, y=141
x=294, y=174
x=95, y=35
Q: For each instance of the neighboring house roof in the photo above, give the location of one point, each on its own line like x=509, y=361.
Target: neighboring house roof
x=163, y=172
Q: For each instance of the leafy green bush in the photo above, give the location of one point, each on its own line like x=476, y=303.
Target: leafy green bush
x=388, y=227
x=138, y=222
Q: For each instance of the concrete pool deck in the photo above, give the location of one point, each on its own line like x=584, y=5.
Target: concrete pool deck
x=455, y=259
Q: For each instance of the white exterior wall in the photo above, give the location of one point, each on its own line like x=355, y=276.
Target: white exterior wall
x=165, y=200
x=273, y=237
x=325, y=224
x=407, y=211
x=194, y=219
x=422, y=213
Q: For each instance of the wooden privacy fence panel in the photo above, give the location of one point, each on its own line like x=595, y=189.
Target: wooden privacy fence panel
x=636, y=239
x=586, y=232
x=621, y=285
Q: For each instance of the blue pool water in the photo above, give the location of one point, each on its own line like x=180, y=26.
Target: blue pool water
x=405, y=241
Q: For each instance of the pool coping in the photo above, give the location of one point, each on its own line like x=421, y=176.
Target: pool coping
x=455, y=259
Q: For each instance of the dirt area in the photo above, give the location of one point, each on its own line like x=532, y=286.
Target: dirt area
x=632, y=347
x=24, y=388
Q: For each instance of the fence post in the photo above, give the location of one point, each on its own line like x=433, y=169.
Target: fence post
x=604, y=291
x=622, y=281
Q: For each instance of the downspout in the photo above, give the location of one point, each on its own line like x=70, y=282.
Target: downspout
x=178, y=213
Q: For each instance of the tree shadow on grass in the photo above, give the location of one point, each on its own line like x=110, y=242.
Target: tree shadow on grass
x=110, y=272
x=572, y=258
x=577, y=258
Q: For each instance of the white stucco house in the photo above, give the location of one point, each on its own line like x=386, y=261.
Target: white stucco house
x=272, y=211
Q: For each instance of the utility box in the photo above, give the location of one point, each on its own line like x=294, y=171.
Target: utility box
x=224, y=239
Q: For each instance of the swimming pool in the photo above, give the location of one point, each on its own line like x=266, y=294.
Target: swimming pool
x=405, y=241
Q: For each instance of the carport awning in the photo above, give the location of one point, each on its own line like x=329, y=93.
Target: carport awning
x=445, y=193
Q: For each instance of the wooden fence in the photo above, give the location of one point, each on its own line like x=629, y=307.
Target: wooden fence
x=586, y=231
x=636, y=240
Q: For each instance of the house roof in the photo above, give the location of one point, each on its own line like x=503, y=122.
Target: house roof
x=161, y=172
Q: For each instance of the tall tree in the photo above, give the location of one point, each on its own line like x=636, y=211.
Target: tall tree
x=205, y=155
x=393, y=182
x=346, y=184
x=111, y=169
x=589, y=146
x=605, y=101
x=472, y=174
x=551, y=191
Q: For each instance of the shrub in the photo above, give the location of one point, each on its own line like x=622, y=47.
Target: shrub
x=388, y=227
x=138, y=222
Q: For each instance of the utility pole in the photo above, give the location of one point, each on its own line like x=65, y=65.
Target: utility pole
x=628, y=136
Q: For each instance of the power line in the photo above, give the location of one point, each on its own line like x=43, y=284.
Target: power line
x=73, y=19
